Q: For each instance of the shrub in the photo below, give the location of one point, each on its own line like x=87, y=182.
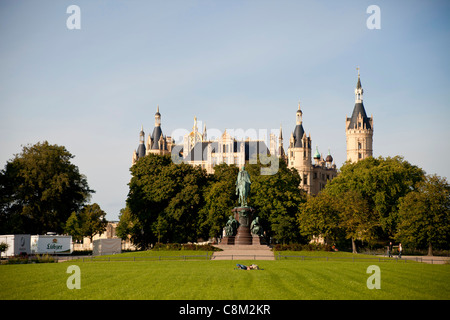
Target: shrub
x=302, y=247
x=187, y=246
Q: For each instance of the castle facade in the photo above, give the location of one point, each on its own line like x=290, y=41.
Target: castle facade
x=314, y=169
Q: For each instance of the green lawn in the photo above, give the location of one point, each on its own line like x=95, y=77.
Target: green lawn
x=213, y=280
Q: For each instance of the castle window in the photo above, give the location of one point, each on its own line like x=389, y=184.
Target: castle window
x=305, y=179
x=359, y=145
x=315, y=175
x=359, y=155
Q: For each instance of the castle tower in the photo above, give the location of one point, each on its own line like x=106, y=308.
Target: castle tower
x=299, y=152
x=359, y=129
x=158, y=143
x=281, y=154
x=140, y=152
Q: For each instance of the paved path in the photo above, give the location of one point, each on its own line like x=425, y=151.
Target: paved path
x=424, y=259
x=243, y=252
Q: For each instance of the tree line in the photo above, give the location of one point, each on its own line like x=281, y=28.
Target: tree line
x=370, y=202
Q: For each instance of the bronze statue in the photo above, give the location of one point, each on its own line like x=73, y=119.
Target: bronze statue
x=231, y=227
x=243, y=186
x=256, y=227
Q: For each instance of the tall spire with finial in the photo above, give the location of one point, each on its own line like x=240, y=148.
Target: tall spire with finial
x=359, y=90
x=157, y=117
x=299, y=115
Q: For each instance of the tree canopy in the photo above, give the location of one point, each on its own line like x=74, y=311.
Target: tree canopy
x=381, y=182
x=39, y=189
x=179, y=202
x=425, y=214
x=165, y=199
x=86, y=223
x=276, y=198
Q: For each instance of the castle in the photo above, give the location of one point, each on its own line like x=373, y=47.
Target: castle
x=314, y=170
x=359, y=129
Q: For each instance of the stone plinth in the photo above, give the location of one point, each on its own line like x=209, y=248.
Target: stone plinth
x=244, y=216
x=258, y=240
x=227, y=240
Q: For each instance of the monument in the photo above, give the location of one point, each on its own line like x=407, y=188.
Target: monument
x=243, y=228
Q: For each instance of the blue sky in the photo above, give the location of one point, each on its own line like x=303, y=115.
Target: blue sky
x=233, y=64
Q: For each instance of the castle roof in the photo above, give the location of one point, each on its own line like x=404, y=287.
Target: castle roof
x=141, y=150
x=251, y=148
x=317, y=154
x=156, y=135
x=358, y=84
x=359, y=110
x=298, y=135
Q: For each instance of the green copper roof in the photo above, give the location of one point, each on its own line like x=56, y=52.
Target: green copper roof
x=317, y=154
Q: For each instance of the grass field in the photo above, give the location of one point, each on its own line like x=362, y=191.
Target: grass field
x=211, y=280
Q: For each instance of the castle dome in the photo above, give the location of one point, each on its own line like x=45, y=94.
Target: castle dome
x=317, y=154
x=329, y=157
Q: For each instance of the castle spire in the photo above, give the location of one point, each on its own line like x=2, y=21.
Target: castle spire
x=299, y=115
x=359, y=90
x=157, y=117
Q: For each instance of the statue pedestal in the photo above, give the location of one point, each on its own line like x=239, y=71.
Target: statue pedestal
x=258, y=240
x=244, y=216
x=228, y=240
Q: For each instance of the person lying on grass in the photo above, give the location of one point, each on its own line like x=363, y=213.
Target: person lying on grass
x=250, y=267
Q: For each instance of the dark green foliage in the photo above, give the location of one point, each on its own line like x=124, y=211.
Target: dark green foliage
x=179, y=203
x=220, y=198
x=425, y=215
x=276, y=199
x=302, y=247
x=381, y=182
x=86, y=223
x=184, y=246
x=39, y=189
x=165, y=199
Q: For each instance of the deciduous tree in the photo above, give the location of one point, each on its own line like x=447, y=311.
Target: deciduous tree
x=425, y=215
x=39, y=189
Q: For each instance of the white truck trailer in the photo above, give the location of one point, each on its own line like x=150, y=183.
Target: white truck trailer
x=17, y=244
x=51, y=244
x=106, y=246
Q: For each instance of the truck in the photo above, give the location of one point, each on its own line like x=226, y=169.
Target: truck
x=51, y=244
x=18, y=244
x=106, y=246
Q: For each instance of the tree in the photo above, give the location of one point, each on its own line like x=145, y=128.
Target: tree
x=356, y=218
x=39, y=189
x=128, y=225
x=73, y=227
x=149, y=194
x=166, y=199
x=182, y=211
x=381, y=182
x=424, y=214
x=87, y=223
x=277, y=198
x=220, y=198
x=319, y=217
